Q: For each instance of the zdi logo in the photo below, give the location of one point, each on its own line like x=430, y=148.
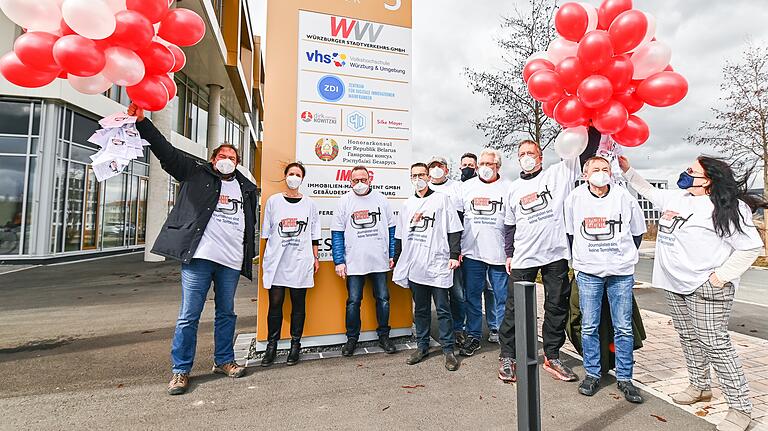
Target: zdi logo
x=356, y=121
x=338, y=60
x=345, y=27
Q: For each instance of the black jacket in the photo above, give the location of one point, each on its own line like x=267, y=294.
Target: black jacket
x=198, y=196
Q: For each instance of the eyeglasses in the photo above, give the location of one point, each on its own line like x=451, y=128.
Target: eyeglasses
x=359, y=180
x=417, y=176
x=691, y=172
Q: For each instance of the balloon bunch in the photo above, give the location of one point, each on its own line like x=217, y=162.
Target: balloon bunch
x=95, y=44
x=603, y=68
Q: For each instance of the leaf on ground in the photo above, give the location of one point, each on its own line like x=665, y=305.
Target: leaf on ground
x=493, y=396
x=385, y=408
x=701, y=413
x=120, y=385
x=659, y=418
x=147, y=332
x=615, y=396
x=254, y=300
x=481, y=397
x=412, y=386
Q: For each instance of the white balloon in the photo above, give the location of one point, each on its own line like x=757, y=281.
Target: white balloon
x=650, y=58
x=93, y=19
x=571, y=142
x=538, y=55
x=34, y=15
x=96, y=84
x=560, y=48
x=116, y=5
x=124, y=67
x=591, y=15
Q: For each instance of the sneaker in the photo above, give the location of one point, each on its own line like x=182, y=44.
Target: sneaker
x=507, y=370
x=230, y=369
x=349, y=347
x=493, y=337
x=417, y=356
x=559, y=371
x=589, y=386
x=692, y=395
x=460, y=337
x=631, y=393
x=735, y=420
x=471, y=346
x=451, y=363
x=178, y=384
x=387, y=345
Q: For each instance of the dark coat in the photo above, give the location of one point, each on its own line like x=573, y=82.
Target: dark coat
x=198, y=196
x=605, y=330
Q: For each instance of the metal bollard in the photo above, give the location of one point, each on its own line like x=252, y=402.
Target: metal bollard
x=527, y=358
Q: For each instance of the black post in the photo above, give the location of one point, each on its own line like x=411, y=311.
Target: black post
x=526, y=345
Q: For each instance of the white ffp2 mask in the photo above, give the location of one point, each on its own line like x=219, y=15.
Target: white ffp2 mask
x=599, y=179
x=293, y=181
x=225, y=166
x=527, y=163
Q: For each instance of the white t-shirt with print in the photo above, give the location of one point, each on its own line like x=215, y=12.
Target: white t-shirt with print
x=423, y=226
x=687, y=248
x=222, y=240
x=365, y=221
x=535, y=207
x=289, y=229
x=602, y=230
x=452, y=188
x=484, y=212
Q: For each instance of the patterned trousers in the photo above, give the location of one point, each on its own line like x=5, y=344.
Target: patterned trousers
x=701, y=321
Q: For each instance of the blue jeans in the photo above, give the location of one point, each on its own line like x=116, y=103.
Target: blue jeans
x=355, y=284
x=476, y=274
x=619, y=288
x=422, y=298
x=458, y=307
x=196, y=278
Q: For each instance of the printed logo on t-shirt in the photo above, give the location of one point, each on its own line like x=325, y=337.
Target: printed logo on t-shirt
x=421, y=222
x=670, y=221
x=227, y=205
x=600, y=228
x=291, y=227
x=485, y=206
x=365, y=219
x=534, y=202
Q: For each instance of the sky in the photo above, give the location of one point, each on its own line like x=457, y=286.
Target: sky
x=451, y=35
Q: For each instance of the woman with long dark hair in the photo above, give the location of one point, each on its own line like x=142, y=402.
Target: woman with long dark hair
x=291, y=227
x=706, y=241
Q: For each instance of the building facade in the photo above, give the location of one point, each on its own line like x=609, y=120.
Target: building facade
x=52, y=207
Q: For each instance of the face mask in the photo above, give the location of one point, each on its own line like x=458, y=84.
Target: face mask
x=225, y=166
x=468, y=173
x=360, y=188
x=436, y=173
x=485, y=173
x=419, y=184
x=599, y=179
x=528, y=163
x=293, y=181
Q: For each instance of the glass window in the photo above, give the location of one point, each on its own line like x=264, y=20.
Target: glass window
x=11, y=197
x=133, y=207
x=202, y=124
x=81, y=154
x=92, y=207
x=76, y=194
x=31, y=208
x=83, y=128
x=13, y=144
x=36, y=120
x=67, y=125
x=14, y=117
x=141, y=233
x=58, y=206
x=114, y=212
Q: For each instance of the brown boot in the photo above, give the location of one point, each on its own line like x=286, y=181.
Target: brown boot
x=692, y=395
x=230, y=369
x=735, y=420
x=178, y=384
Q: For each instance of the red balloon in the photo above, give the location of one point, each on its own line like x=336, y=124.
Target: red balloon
x=619, y=71
x=149, y=94
x=595, y=91
x=595, y=50
x=545, y=86
x=35, y=50
x=179, y=56
x=65, y=29
x=609, y=10
x=634, y=134
x=534, y=66
x=571, y=113
x=157, y=58
x=182, y=27
x=669, y=68
x=628, y=30
x=22, y=75
x=663, y=89
x=169, y=85
x=78, y=56
x=133, y=31
x=611, y=118
x=571, y=73
x=571, y=21
x=154, y=10
x=629, y=99
x=549, y=108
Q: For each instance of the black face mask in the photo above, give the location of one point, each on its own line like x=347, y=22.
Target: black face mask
x=468, y=173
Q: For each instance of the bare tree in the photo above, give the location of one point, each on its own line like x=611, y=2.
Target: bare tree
x=740, y=126
x=514, y=114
